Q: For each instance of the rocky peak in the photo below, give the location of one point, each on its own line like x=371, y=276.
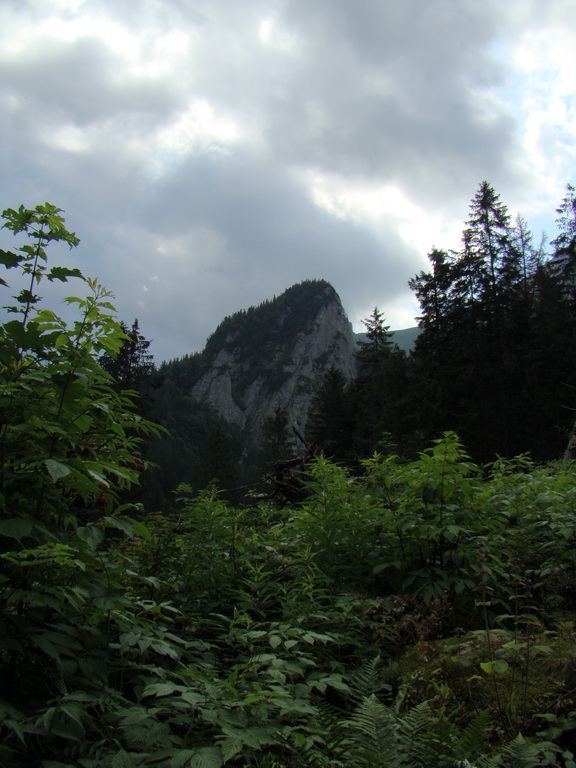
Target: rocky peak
x=274, y=356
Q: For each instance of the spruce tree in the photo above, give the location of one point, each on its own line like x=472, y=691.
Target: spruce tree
x=471, y=359
x=565, y=241
x=373, y=352
x=328, y=422
x=134, y=364
x=530, y=258
x=564, y=244
x=377, y=396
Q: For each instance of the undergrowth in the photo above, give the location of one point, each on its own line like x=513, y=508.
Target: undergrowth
x=418, y=614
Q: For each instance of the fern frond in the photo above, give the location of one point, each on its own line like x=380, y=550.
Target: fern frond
x=487, y=762
x=521, y=754
x=424, y=737
x=267, y=761
x=472, y=741
x=367, y=680
x=332, y=743
x=376, y=722
x=374, y=730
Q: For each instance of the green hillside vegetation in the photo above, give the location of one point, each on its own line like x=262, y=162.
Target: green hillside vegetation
x=265, y=332
x=408, y=612
x=263, y=326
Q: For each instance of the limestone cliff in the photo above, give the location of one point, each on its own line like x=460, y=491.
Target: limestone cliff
x=275, y=356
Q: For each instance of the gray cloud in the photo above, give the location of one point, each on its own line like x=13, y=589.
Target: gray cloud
x=393, y=90
x=181, y=140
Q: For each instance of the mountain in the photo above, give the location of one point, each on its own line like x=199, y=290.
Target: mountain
x=230, y=409
x=273, y=357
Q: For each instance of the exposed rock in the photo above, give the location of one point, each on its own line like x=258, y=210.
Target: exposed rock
x=275, y=355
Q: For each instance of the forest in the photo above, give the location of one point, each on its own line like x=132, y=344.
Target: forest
x=414, y=606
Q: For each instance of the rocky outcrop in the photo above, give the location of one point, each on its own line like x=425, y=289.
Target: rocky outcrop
x=274, y=356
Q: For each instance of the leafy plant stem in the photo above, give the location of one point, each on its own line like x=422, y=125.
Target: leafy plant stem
x=491, y=656
x=34, y=274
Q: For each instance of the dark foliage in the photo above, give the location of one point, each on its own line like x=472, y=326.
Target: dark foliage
x=494, y=357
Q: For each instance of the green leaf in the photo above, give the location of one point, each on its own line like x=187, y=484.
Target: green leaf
x=496, y=667
x=164, y=649
x=190, y=697
x=231, y=747
x=10, y=259
x=63, y=273
x=46, y=645
x=25, y=337
x=207, y=757
x=122, y=524
x=300, y=706
x=56, y=469
x=27, y=297
x=122, y=759
x=16, y=527
x=140, y=529
x=540, y=650
x=61, y=340
x=83, y=422
x=162, y=689
x=180, y=758
x=91, y=535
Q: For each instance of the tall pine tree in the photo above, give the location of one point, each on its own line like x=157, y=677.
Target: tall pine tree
x=328, y=423
x=377, y=396
x=473, y=358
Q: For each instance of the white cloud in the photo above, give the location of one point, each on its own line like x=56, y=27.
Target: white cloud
x=377, y=204
x=199, y=127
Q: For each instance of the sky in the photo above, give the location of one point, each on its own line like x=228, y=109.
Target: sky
x=211, y=153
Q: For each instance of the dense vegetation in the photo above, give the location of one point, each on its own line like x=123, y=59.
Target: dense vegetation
x=494, y=359
x=408, y=612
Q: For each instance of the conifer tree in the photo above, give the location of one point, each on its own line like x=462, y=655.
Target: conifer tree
x=489, y=263
x=377, y=396
x=328, y=425
x=565, y=241
x=564, y=244
x=373, y=352
x=530, y=258
x=134, y=364
x=472, y=356
x=278, y=443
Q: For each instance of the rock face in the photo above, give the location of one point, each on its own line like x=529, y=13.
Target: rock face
x=274, y=356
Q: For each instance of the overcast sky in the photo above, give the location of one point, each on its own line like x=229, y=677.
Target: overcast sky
x=211, y=153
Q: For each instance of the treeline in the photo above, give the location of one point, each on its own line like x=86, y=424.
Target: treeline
x=494, y=359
